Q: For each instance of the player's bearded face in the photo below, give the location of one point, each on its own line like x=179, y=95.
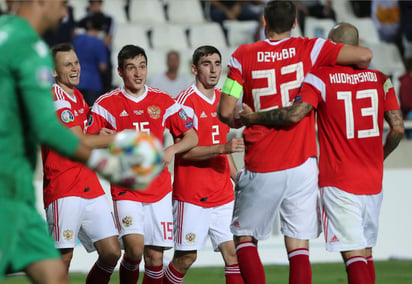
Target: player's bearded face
x=134, y=74
x=208, y=70
x=67, y=68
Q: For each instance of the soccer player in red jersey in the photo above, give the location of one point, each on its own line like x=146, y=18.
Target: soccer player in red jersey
x=203, y=193
x=75, y=202
x=280, y=163
x=145, y=218
x=351, y=106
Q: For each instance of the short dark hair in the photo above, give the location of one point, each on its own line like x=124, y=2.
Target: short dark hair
x=204, y=50
x=61, y=47
x=128, y=52
x=279, y=15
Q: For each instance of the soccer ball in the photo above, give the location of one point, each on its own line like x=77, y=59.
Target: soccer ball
x=140, y=157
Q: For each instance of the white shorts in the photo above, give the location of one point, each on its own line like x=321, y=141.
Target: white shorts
x=73, y=217
x=294, y=192
x=153, y=220
x=193, y=224
x=350, y=221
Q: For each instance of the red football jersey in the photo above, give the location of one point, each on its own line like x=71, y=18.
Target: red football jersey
x=151, y=112
x=350, y=109
x=271, y=73
x=63, y=177
x=205, y=183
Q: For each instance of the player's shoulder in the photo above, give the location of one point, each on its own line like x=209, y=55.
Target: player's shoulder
x=109, y=96
x=156, y=91
x=186, y=95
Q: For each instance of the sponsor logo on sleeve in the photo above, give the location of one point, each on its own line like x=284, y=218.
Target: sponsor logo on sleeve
x=89, y=121
x=183, y=115
x=189, y=125
x=67, y=116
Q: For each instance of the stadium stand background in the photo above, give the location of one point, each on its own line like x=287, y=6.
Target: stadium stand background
x=161, y=25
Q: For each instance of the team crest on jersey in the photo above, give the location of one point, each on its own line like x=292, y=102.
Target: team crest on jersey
x=213, y=114
x=68, y=235
x=127, y=221
x=183, y=115
x=67, y=116
x=154, y=112
x=190, y=238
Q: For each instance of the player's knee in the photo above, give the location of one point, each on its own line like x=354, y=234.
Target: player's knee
x=110, y=257
x=153, y=258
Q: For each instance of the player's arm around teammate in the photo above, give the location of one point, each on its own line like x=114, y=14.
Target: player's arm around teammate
x=144, y=218
x=202, y=190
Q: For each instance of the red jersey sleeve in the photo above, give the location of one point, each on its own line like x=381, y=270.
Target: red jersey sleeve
x=65, y=112
x=328, y=52
x=391, y=101
x=312, y=89
x=177, y=120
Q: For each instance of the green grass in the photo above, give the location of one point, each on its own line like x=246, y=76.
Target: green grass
x=387, y=272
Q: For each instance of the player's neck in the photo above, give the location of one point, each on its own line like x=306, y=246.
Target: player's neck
x=276, y=37
x=208, y=92
x=134, y=92
x=68, y=89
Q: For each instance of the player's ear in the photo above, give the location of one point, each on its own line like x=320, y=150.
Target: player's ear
x=54, y=73
x=120, y=72
x=194, y=69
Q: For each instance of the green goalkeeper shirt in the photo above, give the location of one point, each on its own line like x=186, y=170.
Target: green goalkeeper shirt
x=27, y=115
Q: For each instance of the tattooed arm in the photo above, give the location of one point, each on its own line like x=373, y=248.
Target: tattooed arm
x=279, y=116
x=396, y=132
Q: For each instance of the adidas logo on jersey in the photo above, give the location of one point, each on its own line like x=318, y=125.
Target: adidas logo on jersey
x=203, y=114
x=124, y=113
x=334, y=239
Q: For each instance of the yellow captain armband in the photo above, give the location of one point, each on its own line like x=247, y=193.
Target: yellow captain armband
x=232, y=88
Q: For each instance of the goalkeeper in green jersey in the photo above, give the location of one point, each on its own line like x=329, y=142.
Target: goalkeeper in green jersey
x=27, y=119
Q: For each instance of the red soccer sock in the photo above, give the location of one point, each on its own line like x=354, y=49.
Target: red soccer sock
x=153, y=274
x=100, y=273
x=129, y=271
x=300, y=271
x=357, y=270
x=232, y=274
x=172, y=276
x=371, y=268
x=249, y=262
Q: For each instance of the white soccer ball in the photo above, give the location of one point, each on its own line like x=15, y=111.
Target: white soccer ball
x=140, y=157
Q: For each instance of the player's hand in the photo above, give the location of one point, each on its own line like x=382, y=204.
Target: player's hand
x=106, y=131
x=246, y=115
x=168, y=155
x=118, y=168
x=234, y=145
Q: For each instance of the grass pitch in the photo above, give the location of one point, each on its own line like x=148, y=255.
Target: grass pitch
x=387, y=272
